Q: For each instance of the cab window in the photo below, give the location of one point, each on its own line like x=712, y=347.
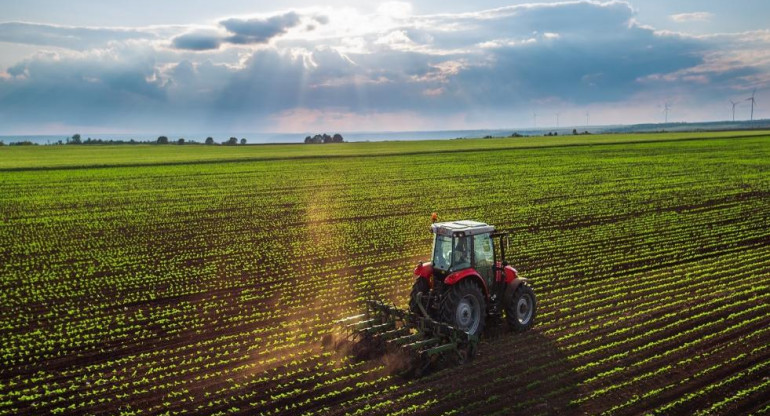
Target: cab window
x=483, y=250
x=461, y=253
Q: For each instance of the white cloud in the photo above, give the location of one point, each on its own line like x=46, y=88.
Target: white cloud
x=397, y=39
x=692, y=17
x=395, y=9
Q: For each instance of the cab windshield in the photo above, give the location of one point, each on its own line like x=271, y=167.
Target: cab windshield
x=451, y=253
x=442, y=252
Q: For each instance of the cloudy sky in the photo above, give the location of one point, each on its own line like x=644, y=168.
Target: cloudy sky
x=250, y=66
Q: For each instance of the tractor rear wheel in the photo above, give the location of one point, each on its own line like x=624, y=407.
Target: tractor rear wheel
x=464, y=308
x=420, y=286
x=520, y=307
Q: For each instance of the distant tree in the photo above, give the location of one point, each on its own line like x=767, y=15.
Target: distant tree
x=318, y=138
x=243, y=141
x=337, y=138
x=232, y=141
x=3, y=144
x=574, y=131
x=308, y=139
x=209, y=140
x=327, y=138
x=75, y=139
x=180, y=141
x=162, y=140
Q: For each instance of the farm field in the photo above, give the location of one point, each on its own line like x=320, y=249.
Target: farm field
x=137, y=281
x=47, y=157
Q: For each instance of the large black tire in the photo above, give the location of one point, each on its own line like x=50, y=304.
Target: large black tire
x=520, y=307
x=420, y=286
x=464, y=307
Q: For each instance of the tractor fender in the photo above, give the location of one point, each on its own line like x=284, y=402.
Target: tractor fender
x=424, y=270
x=515, y=283
x=467, y=274
x=511, y=274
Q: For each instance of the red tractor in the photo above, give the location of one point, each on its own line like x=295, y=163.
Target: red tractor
x=468, y=279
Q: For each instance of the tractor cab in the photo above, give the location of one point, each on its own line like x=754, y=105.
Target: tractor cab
x=462, y=245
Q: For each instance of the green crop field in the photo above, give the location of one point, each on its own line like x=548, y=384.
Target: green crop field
x=47, y=157
x=200, y=280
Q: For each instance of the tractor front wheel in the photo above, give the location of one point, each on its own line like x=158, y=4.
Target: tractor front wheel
x=520, y=307
x=464, y=308
x=420, y=286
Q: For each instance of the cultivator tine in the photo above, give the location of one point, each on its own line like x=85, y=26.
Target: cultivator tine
x=396, y=333
x=361, y=325
x=350, y=318
x=385, y=327
x=440, y=349
x=405, y=340
x=376, y=329
x=418, y=345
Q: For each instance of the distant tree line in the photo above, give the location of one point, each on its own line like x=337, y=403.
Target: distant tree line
x=577, y=133
x=77, y=139
x=324, y=138
x=232, y=141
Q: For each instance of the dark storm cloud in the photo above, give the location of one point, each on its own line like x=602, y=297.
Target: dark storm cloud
x=241, y=31
x=579, y=52
x=250, y=31
x=197, y=41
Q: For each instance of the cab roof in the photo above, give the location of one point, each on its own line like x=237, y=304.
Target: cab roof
x=461, y=228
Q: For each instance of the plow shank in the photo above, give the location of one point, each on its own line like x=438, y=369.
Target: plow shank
x=421, y=339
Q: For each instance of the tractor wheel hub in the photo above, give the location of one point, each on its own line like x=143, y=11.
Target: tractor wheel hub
x=524, y=309
x=468, y=314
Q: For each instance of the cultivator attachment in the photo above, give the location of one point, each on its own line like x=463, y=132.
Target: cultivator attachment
x=422, y=341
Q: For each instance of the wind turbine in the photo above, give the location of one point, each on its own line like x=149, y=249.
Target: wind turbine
x=752, y=103
x=534, y=116
x=588, y=117
x=666, y=109
x=734, y=104
x=557, y=120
